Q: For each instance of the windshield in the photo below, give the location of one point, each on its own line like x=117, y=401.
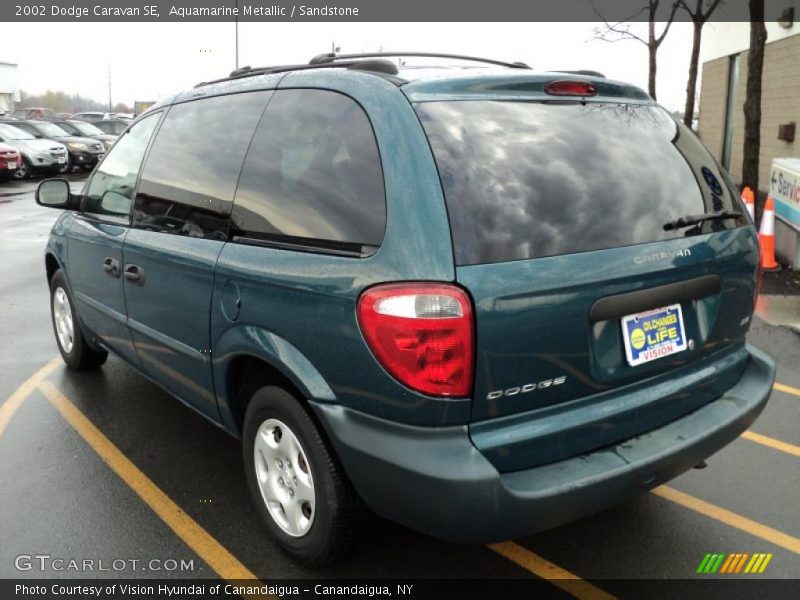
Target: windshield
x=10, y=132
x=85, y=128
x=531, y=179
x=50, y=130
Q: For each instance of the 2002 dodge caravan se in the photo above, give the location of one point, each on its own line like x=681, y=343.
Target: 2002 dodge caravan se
x=478, y=301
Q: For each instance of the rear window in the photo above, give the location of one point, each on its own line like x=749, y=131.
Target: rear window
x=529, y=179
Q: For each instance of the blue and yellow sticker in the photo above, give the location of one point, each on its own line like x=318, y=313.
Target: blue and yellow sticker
x=653, y=334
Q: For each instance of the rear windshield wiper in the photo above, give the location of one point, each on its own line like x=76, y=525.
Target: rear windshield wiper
x=688, y=220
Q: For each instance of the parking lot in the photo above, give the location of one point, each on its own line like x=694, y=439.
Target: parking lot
x=107, y=467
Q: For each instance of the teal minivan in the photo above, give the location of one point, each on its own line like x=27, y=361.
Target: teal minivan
x=480, y=301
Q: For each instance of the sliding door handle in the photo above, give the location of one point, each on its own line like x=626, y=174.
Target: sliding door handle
x=134, y=274
x=111, y=266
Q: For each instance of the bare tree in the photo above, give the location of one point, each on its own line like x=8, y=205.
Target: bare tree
x=702, y=11
x=621, y=30
x=752, y=103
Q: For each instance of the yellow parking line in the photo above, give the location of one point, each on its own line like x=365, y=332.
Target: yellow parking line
x=572, y=584
x=772, y=443
x=198, y=539
x=10, y=406
x=784, y=540
x=786, y=389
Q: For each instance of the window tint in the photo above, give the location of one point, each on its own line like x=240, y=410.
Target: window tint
x=313, y=175
x=526, y=179
x=189, y=179
x=111, y=190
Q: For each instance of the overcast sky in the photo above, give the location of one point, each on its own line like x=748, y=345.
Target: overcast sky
x=150, y=61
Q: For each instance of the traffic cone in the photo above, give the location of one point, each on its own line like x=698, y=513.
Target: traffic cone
x=749, y=202
x=766, y=237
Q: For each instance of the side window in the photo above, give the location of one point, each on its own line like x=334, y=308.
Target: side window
x=27, y=128
x=313, y=175
x=188, y=182
x=110, y=191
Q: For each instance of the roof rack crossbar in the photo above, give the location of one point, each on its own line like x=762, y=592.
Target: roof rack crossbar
x=378, y=66
x=322, y=59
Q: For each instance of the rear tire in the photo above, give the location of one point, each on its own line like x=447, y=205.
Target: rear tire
x=75, y=351
x=310, y=485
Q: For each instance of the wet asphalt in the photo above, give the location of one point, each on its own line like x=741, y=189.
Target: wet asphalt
x=58, y=497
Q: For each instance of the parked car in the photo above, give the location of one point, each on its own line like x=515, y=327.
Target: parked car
x=480, y=302
x=111, y=126
x=10, y=161
x=34, y=113
x=83, y=152
x=85, y=129
x=38, y=156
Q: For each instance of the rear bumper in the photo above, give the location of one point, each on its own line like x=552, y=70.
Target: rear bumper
x=436, y=481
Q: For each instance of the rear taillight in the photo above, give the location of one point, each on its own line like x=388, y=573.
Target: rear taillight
x=564, y=87
x=422, y=334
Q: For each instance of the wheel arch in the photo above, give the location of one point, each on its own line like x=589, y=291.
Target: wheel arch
x=51, y=265
x=249, y=358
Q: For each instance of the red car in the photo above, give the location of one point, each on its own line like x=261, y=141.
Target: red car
x=10, y=161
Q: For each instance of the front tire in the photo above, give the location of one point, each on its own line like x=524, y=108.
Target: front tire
x=66, y=167
x=24, y=170
x=296, y=483
x=77, y=354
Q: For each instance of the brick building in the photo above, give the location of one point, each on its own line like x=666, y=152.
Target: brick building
x=723, y=84
x=9, y=93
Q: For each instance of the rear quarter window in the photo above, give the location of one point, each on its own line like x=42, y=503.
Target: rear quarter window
x=313, y=176
x=530, y=179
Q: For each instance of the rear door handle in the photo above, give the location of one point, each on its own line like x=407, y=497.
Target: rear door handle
x=111, y=266
x=134, y=274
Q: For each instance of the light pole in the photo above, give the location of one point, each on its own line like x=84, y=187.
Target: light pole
x=236, y=26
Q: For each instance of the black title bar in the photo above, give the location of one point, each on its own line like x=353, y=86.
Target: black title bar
x=364, y=10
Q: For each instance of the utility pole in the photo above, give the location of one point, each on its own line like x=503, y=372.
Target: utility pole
x=109, y=86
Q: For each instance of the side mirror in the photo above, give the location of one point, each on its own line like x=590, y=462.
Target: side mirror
x=54, y=193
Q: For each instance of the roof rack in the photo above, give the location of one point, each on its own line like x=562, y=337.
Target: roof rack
x=323, y=59
x=374, y=65
x=371, y=62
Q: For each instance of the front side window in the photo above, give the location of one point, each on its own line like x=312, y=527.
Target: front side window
x=111, y=190
x=12, y=132
x=189, y=179
x=50, y=130
x=27, y=128
x=313, y=175
x=82, y=128
x=70, y=128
